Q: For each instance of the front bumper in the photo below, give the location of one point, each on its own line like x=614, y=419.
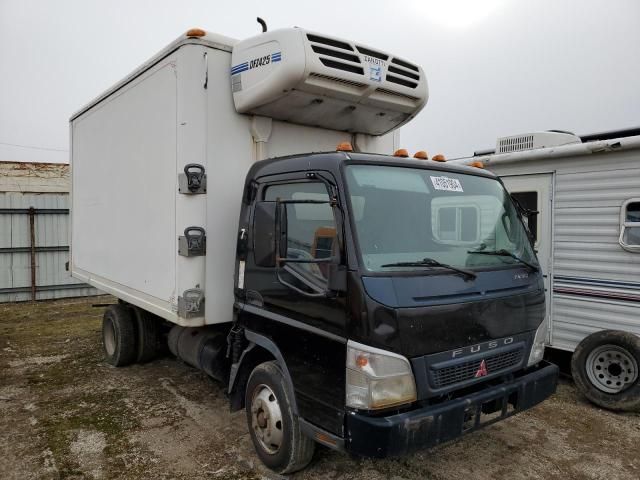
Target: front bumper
x=429, y=426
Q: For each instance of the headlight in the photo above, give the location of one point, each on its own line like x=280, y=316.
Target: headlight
x=537, y=349
x=377, y=378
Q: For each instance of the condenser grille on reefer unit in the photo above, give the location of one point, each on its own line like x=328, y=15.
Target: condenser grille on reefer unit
x=394, y=68
x=342, y=81
x=373, y=53
x=396, y=94
x=342, y=56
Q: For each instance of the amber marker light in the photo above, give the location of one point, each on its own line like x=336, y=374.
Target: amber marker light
x=195, y=32
x=401, y=152
x=421, y=155
x=438, y=158
x=477, y=164
x=344, y=147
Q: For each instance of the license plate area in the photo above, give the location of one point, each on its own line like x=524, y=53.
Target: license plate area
x=488, y=412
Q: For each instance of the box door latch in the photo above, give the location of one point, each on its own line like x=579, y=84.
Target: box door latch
x=191, y=303
x=193, y=243
x=193, y=181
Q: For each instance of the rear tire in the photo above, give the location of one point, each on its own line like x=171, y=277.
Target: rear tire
x=119, y=336
x=149, y=338
x=274, y=428
x=605, y=368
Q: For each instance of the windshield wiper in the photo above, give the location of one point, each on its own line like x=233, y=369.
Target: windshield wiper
x=506, y=253
x=430, y=262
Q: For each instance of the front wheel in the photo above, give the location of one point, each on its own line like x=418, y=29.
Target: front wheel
x=605, y=367
x=274, y=428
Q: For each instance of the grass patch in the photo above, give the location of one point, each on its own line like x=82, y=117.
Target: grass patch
x=105, y=412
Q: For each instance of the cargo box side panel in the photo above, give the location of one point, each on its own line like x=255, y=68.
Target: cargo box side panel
x=124, y=183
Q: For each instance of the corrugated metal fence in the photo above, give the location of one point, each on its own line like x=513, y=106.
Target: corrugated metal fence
x=34, y=248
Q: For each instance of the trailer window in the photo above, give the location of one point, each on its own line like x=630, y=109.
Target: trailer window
x=529, y=200
x=630, y=225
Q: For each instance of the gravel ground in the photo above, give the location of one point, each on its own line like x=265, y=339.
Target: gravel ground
x=64, y=413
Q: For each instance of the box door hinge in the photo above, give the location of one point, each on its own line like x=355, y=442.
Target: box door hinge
x=191, y=303
x=193, y=181
x=193, y=243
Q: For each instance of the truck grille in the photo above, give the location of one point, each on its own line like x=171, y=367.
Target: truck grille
x=462, y=372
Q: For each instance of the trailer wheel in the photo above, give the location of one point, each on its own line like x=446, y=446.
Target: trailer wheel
x=605, y=369
x=273, y=426
x=119, y=336
x=149, y=338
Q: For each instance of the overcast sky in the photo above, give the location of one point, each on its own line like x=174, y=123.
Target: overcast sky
x=494, y=67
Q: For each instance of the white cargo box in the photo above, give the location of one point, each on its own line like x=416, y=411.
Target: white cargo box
x=129, y=148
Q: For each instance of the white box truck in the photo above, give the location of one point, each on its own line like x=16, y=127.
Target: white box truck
x=322, y=285
x=585, y=192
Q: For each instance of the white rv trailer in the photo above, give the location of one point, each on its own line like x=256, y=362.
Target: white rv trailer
x=587, y=236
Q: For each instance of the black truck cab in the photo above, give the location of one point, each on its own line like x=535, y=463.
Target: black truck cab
x=399, y=301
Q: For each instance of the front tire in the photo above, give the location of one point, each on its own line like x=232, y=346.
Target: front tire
x=605, y=367
x=274, y=428
x=119, y=336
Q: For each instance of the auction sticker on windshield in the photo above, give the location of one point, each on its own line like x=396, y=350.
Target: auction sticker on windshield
x=447, y=184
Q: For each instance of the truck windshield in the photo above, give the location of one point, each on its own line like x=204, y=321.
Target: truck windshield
x=406, y=215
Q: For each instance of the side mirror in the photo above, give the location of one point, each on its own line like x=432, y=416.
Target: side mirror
x=264, y=234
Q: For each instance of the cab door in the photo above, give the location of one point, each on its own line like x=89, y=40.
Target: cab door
x=534, y=192
x=286, y=301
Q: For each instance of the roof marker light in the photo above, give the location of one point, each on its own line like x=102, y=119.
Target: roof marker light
x=438, y=158
x=195, y=32
x=422, y=155
x=344, y=147
x=401, y=152
x=477, y=164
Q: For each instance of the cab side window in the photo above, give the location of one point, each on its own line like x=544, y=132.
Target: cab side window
x=311, y=227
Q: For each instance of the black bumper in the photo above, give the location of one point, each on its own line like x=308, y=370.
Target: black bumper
x=429, y=426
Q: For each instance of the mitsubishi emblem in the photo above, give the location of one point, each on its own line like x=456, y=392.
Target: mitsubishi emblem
x=482, y=370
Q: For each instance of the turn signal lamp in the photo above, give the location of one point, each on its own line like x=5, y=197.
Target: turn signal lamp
x=421, y=155
x=477, y=164
x=401, y=152
x=438, y=158
x=195, y=32
x=344, y=147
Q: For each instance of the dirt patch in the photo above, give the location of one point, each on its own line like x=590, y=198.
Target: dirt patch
x=64, y=413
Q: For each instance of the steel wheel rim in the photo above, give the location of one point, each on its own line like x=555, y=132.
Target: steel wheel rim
x=611, y=368
x=266, y=419
x=109, y=337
